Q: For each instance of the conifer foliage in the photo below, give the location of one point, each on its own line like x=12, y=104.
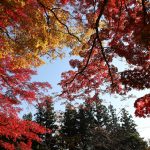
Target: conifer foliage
x=87, y=128
x=45, y=116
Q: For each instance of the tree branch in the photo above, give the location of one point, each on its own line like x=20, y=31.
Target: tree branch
x=87, y=62
x=91, y=50
x=99, y=40
x=51, y=10
x=144, y=11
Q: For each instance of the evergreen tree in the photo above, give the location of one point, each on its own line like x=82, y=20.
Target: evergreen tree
x=69, y=129
x=101, y=139
x=100, y=136
x=113, y=128
x=50, y=124
x=128, y=124
x=114, y=124
x=102, y=115
x=92, y=127
x=93, y=120
x=27, y=116
x=39, y=118
x=129, y=136
x=86, y=122
x=82, y=127
x=45, y=116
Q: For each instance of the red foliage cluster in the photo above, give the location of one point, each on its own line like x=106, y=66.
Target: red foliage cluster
x=17, y=133
x=86, y=80
x=17, y=12
x=64, y=2
x=142, y=106
x=127, y=36
x=137, y=78
x=16, y=87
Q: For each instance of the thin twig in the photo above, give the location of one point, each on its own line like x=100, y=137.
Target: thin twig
x=68, y=30
x=6, y=32
x=65, y=26
x=144, y=11
x=87, y=62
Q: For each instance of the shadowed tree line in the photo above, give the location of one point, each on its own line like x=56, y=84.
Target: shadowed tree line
x=90, y=127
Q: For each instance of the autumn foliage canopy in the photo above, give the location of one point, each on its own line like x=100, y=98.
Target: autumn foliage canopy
x=96, y=30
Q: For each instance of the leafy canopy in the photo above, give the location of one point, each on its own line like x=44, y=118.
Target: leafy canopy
x=96, y=30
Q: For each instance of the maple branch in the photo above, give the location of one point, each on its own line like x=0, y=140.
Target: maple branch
x=58, y=31
x=7, y=33
x=94, y=2
x=51, y=10
x=91, y=50
x=100, y=42
x=11, y=89
x=144, y=11
x=73, y=17
x=6, y=81
x=47, y=17
x=118, y=23
x=87, y=62
x=65, y=26
x=86, y=77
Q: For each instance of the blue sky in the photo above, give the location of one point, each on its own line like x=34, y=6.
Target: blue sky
x=51, y=72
